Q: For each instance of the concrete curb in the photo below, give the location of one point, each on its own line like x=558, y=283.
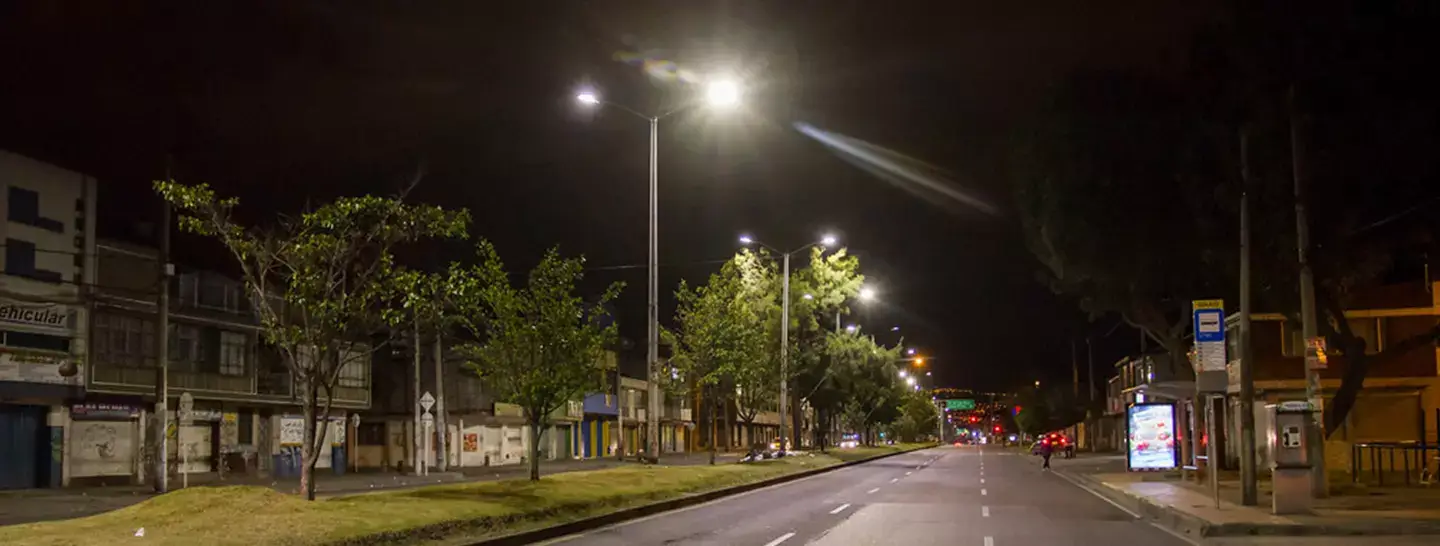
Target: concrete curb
x=1194, y=527
x=637, y=512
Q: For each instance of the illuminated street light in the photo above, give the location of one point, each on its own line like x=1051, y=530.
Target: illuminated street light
x=894, y=328
x=808, y=297
x=909, y=380
x=910, y=352
x=723, y=93
x=720, y=92
x=867, y=294
x=850, y=328
x=903, y=374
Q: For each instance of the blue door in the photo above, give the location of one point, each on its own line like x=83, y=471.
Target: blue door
x=22, y=435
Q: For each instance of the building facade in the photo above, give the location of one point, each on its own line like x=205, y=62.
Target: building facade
x=49, y=237
x=1401, y=392
x=246, y=417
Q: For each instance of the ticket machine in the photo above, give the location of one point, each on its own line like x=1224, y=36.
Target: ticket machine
x=1290, y=463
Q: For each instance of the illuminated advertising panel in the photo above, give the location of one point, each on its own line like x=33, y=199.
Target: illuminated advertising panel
x=1150, y=437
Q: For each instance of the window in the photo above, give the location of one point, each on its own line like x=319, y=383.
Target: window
x=245, y=426
x=234, y=348
x=25, y=209
x=185, y=349
x=37, y=341
x=124, y=340
x=354, y=369
x=20, y=262
x=370, y=434
x=1367, y=329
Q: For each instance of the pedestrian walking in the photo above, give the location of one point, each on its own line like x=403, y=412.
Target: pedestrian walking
x=1046, y=450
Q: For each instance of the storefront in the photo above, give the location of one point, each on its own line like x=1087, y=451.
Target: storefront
x=104, y=443
x=39, y=375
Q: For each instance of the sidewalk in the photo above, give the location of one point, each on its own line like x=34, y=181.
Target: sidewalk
x=1190, y=508
x=32, y=505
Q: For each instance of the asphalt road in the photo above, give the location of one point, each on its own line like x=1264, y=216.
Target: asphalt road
x=947, y=495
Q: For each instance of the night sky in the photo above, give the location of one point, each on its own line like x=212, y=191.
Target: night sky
x=283, y=103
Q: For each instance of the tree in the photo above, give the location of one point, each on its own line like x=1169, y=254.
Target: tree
x=720, y=341
x=918, y=417
x=323, y=286
x=866, y=375
x=1102, y=183
x=428, y=299
x=542, y=345
x=831, y=280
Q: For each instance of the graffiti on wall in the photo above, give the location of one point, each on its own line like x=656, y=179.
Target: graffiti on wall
x=472, y=442
x=101, y=448
x=292, y=431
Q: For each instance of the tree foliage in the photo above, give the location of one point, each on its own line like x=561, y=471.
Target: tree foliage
x=541, y=344
x=323, y=286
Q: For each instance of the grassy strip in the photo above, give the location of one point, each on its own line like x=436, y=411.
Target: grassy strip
x=255, y=515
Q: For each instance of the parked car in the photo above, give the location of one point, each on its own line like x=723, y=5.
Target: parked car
x=1058, y=444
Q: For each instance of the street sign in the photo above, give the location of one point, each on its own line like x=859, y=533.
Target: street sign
x=355, y=420
x=187, y=406
x=961, y=404
x=428, y=420
x=427, y=401
x=1209, y=325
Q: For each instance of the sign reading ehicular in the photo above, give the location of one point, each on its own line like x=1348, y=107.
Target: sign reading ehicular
x=44, y=316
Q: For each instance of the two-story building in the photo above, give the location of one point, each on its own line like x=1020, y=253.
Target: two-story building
x=1401, y=392
x=49, y=239
x=246, y=416
x=480, y=430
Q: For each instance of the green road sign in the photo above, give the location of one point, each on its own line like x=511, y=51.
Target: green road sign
x=960, y=404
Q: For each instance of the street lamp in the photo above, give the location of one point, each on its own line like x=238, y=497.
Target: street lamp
x=867, y=294
x=825, y=241
x=718, y=93
x=910, y=352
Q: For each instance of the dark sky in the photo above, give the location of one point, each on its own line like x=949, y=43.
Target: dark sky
x=284, y=102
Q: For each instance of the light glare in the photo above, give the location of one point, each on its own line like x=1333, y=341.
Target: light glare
x=723, y=93
x=587, y=98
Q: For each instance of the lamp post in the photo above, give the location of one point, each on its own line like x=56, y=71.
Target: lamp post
x=826, y=241
x=720, y=92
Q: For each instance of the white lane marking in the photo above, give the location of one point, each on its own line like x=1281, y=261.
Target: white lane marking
x=983, y=492
x=984, y=511
x=909, y=473
x=989, y=541
x=1096, y=493
x=893, y=480
x=784, y=538
x=840, y=509
x=872, y=491
x=982, y=480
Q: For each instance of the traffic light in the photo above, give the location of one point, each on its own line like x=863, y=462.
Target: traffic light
x=997, y=429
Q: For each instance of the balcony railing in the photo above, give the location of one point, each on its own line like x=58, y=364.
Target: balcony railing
x=182, y=380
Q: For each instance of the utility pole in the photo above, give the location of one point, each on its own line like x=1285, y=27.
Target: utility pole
x=652, y=360
x=441, y=462
x=1319, y=488
x=619, y=415
x=162, y=352
x=784, y=347
x=1249, y=494
x=416, y=438
x=1090, y=431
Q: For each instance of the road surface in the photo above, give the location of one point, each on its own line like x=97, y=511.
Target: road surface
x=942, y=496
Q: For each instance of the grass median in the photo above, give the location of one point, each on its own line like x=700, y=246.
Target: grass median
x=256, y=515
